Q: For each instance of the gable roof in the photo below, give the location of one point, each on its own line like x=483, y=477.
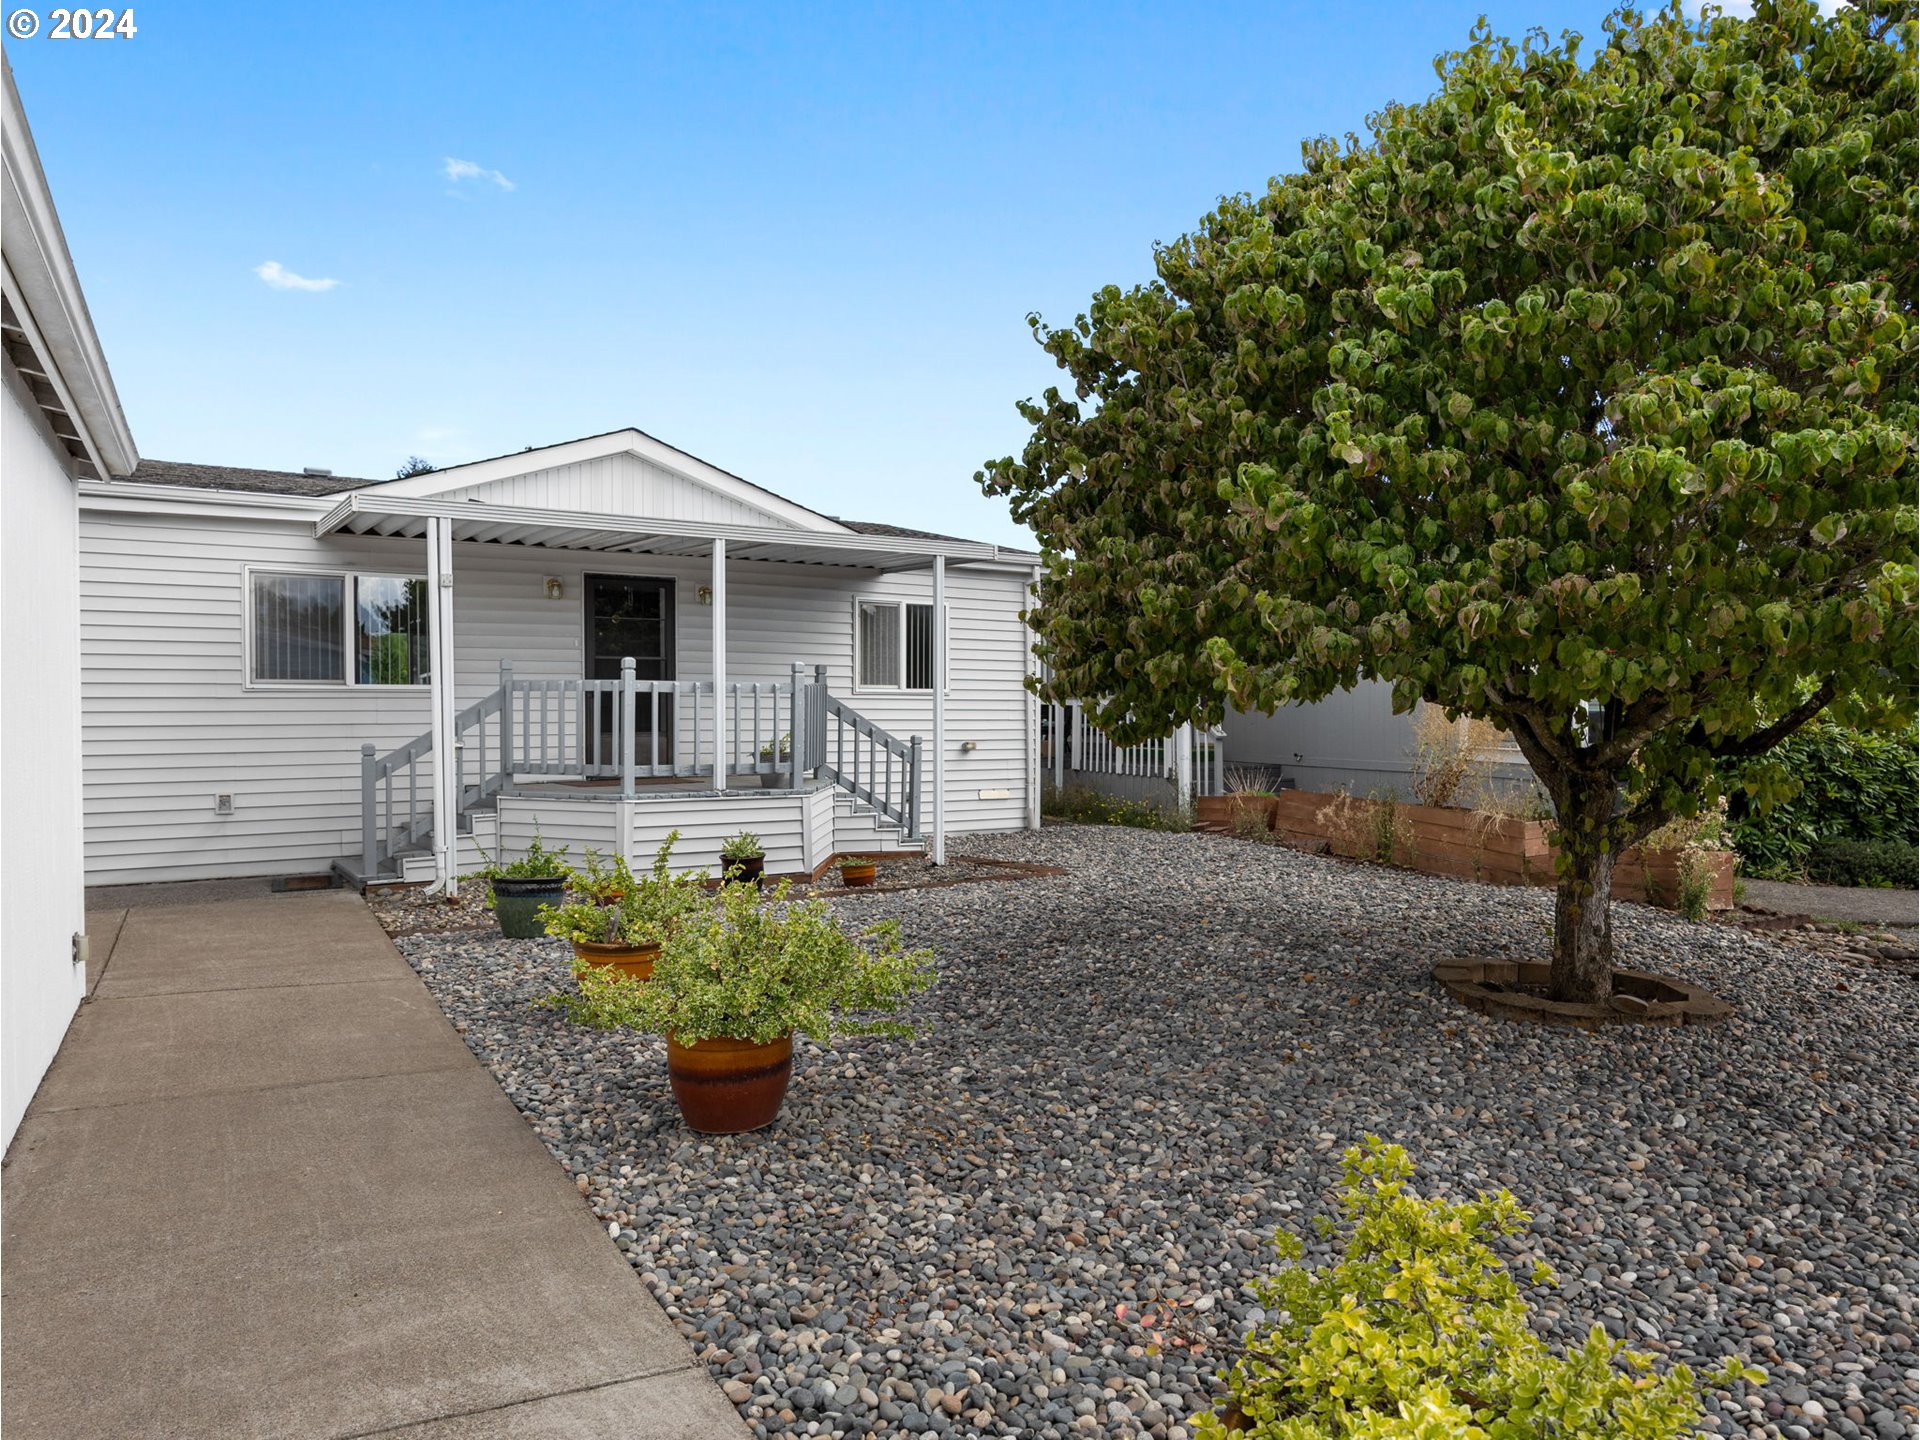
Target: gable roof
x=630, y=441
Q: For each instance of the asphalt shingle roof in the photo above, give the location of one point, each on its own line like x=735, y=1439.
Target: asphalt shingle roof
x=236, y=477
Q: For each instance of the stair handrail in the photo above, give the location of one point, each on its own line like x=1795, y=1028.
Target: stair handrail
x=873, y=783
x=381, y=835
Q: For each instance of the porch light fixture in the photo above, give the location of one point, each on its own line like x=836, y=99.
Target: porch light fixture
x=705, y=592
x=555, y=590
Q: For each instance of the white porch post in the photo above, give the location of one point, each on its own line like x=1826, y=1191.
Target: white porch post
x=446, y=768
x=1183, y=764
x=939, y=846
x=719, y=664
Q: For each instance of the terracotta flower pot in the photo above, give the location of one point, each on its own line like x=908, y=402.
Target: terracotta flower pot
x=750, y=868
x=516, y=904
x=724, y=1087
x=856, y=876
x=633, y=961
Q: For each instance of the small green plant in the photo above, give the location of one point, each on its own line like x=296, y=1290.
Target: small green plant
x=538, y=863
x=786, y=748
x=627, y=909
x=744, y=846
x=1386, y=817
x=1418, y=1332
x=1083, y=806
x=1250, y=824
x=752, y=971
x=855, y=862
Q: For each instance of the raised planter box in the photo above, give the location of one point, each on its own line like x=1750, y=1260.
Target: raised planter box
x=1443, y=840
x=1225, y=812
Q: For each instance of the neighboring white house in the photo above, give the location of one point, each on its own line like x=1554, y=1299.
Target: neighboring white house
x=1350, y=741
x=62, y=421
x=263, y=693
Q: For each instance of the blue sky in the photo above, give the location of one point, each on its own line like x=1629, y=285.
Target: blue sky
x=799, y=241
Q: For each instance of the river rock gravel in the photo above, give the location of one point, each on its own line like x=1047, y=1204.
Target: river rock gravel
x=1135, y=1071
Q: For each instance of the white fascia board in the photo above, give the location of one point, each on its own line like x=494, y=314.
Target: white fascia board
x=118, y=497
x=599, y=447
x=46, y=293
x=384, y=502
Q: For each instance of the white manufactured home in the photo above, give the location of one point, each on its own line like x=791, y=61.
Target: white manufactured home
x=609, y=639
x=61, y=420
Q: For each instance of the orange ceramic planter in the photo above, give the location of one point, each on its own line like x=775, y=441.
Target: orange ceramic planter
x=724, y=1087
x=633, y=961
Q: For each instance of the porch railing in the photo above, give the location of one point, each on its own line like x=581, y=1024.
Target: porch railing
x=631, y=729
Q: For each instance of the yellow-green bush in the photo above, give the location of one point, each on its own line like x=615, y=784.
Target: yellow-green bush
x=1418, y=1332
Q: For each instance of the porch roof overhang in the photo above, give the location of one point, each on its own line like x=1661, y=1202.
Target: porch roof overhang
x=368, y=512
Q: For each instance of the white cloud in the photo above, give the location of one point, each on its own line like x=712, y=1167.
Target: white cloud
x=283, y=279
x=467, y=170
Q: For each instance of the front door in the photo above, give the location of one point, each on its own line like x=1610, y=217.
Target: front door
x=630, y=615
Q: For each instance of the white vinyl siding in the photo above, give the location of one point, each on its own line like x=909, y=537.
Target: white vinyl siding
x=171, y=721
x=620, y=485
x=41, y=900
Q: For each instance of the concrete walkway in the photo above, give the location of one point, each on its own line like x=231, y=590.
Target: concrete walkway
x=1834, y=902
x=266, y=1191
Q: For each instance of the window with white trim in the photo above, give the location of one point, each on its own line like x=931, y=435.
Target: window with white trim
x=307, y=628
x=893, y=645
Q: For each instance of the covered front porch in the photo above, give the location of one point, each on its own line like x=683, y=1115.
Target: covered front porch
x=808, y=760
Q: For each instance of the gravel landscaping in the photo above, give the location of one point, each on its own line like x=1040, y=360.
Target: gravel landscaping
x=1135, y=1071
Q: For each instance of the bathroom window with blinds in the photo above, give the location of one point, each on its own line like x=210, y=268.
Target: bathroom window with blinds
x=892, y=645
x=316, y=629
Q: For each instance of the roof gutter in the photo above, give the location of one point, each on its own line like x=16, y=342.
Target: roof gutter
x=378, y=503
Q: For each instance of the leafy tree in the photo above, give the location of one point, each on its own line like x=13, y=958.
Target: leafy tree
x=1580, y=381
x=413, y=465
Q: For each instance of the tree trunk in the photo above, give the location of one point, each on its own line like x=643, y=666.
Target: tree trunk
x=1582, y=910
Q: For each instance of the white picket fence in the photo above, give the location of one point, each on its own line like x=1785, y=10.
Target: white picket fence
x=1192, y=760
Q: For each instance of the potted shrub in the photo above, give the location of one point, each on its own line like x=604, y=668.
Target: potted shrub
x=734, y=984
x=857, y=871
x=743, y=858
x=523, y=887
x=622, y=919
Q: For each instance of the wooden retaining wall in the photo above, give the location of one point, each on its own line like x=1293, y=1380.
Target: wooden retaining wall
x=1443, y=840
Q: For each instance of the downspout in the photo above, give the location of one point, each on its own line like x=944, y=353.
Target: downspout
x=446, y=768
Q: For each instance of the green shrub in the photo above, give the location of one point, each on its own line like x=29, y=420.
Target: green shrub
x=1853, y=786
x=1418, y=1332
x=539, y=863
x=1885, y=863
x=1083, y=806
x=621, y=907
x=757, y=971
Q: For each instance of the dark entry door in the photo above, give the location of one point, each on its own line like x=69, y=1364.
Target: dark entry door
x=632, y=615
